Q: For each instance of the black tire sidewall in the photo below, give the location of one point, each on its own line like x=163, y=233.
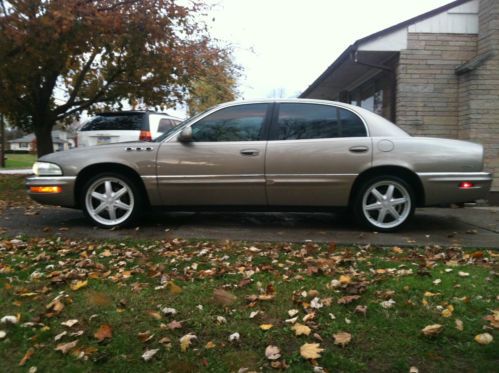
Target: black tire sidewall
x=357, y=205
x=138, y=200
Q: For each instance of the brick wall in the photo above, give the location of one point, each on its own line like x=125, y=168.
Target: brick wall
x=427, y=89
x=480, y=89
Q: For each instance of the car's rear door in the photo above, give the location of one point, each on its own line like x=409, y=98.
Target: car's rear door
x=314, y=154
x=223, y=165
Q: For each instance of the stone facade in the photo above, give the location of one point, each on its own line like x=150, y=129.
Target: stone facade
x=434, y=99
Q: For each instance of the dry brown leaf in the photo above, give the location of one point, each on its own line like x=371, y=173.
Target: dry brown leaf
x=311, y=350
x=266, y=326
x=174, y=325
x=459, y=325
x=104, y=332
x=342, y=338
x=361, y=309
x=26, y=357
x=65, y=347
x=272, y=352
x=224, y=297
x=484, y=339
x=348, y=299
x=301, y=329
x=148, y=354
x=145, y=336
x=431, y=330
x=78, y=285
x=210, y=345
x=344, y=279
x=174, y=288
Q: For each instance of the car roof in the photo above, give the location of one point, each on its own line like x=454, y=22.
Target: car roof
x=133, y=112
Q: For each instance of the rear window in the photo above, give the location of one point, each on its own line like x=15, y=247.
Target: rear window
x=128, y=122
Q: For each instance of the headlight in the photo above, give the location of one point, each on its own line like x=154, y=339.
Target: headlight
x=46, y=169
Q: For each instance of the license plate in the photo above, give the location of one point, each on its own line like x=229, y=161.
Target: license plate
x=103, y=140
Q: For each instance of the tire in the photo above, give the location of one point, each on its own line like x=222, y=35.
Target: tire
x=384, y=203
x=104, y=208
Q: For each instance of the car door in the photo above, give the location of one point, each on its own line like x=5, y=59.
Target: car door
x=314, y=154
x=223, y=165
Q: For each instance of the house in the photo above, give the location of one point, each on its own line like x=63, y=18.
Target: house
x=436, y=74
x=26, y=144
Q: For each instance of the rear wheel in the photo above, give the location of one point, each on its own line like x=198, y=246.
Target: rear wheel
x=110, y=200
x=384, y=203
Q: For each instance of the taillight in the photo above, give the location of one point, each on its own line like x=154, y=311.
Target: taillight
x=46, y=189
x=466, y=185
x=145, y=136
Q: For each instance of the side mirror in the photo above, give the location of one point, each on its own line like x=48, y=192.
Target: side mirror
x=185, y=135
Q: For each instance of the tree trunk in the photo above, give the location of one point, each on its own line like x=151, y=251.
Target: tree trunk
x=43, y=133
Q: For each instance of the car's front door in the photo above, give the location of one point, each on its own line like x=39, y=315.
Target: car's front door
x=223, y=165
x=314, y=154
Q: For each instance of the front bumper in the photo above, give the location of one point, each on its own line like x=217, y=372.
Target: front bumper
x=65, y=198
x=443, y=187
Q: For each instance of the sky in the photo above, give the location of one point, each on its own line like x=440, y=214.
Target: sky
x=284, y=45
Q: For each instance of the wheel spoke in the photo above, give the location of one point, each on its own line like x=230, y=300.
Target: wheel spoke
x=99, y=196
x=120, y=193
x=112, y=212
x=381, y=216
x=374, y=206
x=109, y=189
x=394, y=213
x=398, y=201
x=121, y=205
x=375, y=192
x=99, y=208
x=389, y=192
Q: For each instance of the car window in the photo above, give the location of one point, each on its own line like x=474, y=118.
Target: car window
x=115, y=122
x=236, y=123
x=307, y=121
x=351, y=124
x=165, y=124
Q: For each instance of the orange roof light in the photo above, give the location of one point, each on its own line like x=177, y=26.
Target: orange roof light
x=46, y=189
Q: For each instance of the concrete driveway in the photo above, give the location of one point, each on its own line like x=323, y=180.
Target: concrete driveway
x=470, y=227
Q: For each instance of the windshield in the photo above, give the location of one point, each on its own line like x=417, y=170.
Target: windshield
x=180, y=126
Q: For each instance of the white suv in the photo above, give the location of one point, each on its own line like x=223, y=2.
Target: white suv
x=123, y=126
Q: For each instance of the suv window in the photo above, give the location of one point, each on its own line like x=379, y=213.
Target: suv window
x=236, y=123
x=165, y=124
x=307, y=121
x=129, y=122
x=313, y=121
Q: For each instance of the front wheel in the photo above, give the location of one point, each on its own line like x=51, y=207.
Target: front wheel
x=111, y=200
x=384, y=203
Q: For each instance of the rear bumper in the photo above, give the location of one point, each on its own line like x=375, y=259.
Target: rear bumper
x=443, y=187
x=65, y=198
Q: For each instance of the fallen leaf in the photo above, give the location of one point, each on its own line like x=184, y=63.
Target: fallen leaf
x=301, y=329
x=348, y=299
x=253, y=314
x=344, y=279
x=387, y=303
x=447, y=312
x=3, y=334
x=65, y=347
x=463, y=274
x=78, y=285
x=174, y=288
x=311, y=350
x=148, y=354
x=293, y=312
x=9, y=320
x=145, y=336
x=459, y=325
x=361, y=309
x=169, y=311
x=26, y=357
x=185, y=341
x=431, y=330
x=234, y=337
x=266, y=326
x=155, y=315
x=174, y=325
x=221, y=320
x=210, y=345
x=272, y=352
x=104, y=332
x=224, y=297
x=342, y=338
x=316, y=303
x=413, y=370
x=69, y=323
x=484, y=339
x=60, y=335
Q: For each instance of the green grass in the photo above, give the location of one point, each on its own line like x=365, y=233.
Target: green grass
x=19, y=160
x=126, y=281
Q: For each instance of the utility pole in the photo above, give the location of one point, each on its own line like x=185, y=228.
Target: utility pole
x=2, y=141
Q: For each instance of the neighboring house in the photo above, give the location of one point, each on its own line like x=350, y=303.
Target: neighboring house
x=434, y=75
x=60, y=138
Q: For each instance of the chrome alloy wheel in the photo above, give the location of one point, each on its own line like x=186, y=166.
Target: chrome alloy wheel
x=109, y=201
x=386, y=204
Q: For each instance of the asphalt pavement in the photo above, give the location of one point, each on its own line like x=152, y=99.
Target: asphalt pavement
x=467, y=227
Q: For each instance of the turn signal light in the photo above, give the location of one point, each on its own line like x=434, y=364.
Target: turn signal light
x=145, y=136
x=466, y=185
x=45, y=189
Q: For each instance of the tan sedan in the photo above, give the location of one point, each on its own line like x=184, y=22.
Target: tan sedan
x=270, y=155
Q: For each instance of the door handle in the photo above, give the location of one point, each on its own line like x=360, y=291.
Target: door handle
x=249, y=152
x=359, y=149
